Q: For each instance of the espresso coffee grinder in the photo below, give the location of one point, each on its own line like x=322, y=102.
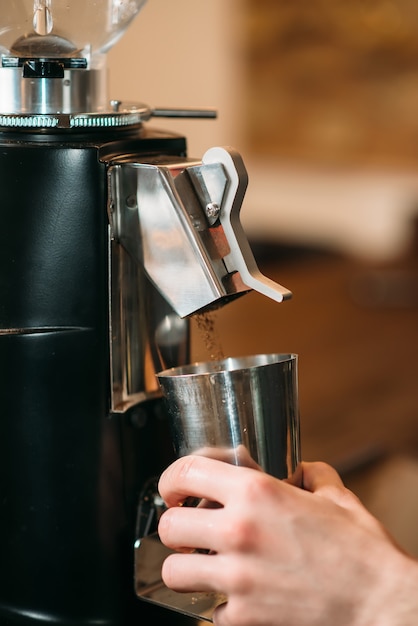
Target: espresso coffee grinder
x=110, y=239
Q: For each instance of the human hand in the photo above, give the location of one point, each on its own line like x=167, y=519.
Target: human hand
x=282, y=555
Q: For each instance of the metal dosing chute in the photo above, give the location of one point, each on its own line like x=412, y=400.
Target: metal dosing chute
x=180, y=219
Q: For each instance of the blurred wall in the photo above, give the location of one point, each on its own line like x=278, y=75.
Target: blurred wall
x=339, y=79
x=184, y=53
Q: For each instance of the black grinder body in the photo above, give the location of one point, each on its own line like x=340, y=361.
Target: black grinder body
x=70, y=470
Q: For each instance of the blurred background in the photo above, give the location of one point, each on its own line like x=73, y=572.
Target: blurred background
x=321, y=98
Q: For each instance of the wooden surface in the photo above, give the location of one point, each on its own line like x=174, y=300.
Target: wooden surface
x=331, y=80
x=357, y=345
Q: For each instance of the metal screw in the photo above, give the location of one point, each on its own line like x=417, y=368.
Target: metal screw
x=212, y=209
x=131, y=201
x=115, y=104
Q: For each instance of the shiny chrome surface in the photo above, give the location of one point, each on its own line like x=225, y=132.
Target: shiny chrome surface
x=180, y=220
x=77, y=100
x=144, y=333
x=150, y=554
x=75, y=91
x=244, y=410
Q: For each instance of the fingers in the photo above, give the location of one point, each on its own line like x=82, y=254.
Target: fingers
x=190, y=529
x=318, y=475
x=202, y=477
x=199, y=477
x=191, y=572
x=324, y=481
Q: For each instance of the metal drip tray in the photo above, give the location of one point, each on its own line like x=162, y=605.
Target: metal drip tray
x=150, y=554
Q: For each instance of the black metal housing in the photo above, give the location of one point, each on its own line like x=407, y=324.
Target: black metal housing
x=70, y=472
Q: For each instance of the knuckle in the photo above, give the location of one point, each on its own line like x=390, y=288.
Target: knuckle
x=340, y=495
x=259, y=485
x=240, y=531
x=240, y=536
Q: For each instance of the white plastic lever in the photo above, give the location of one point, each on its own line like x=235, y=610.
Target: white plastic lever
x=240, y=258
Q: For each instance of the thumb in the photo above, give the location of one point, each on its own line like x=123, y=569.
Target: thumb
x=323, y=480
